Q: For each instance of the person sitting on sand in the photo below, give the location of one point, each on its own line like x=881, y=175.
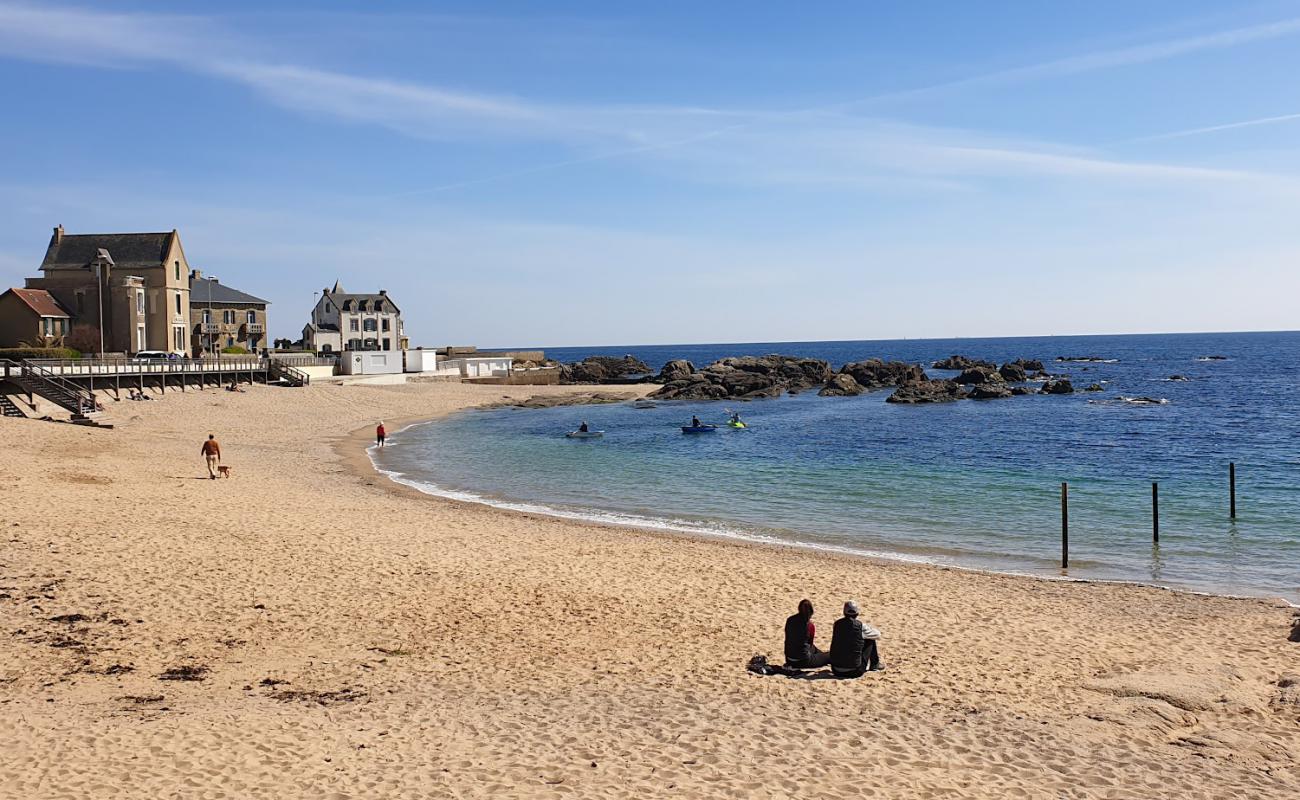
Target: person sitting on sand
x=380, y=434
x=853, y=645
x=800, y=652
x=583, y=427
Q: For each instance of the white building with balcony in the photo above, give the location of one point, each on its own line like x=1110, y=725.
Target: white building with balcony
x=343, y=321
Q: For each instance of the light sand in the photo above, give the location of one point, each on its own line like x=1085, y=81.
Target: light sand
x=473, y=652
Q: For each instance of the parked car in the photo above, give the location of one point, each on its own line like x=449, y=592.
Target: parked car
x=151, y=355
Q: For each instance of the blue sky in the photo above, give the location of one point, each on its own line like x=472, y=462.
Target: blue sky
x=571, y=173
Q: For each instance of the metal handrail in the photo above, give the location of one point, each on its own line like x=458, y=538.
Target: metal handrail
x=84, y=398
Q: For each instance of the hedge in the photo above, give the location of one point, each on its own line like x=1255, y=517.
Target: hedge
x=234, y=350
x=19, y=353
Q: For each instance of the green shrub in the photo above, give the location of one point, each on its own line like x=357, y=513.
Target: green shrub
x=19, y=353
x=234, y=350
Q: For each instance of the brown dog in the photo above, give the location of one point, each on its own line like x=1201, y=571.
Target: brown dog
x=223, y=471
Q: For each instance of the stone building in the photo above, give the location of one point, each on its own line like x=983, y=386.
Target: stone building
x=346, y=321
x=132, y=286
x=225, y=317
x=31, y=317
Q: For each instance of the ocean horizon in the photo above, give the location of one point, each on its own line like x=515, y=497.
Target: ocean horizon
x=972, y=484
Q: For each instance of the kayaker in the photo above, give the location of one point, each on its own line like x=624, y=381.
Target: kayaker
x=735, y=418
x=695, y=422
x=583, y=427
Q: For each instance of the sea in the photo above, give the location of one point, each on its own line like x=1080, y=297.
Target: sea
x=973, y=484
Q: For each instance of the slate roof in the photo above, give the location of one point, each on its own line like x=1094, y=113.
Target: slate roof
x=40, y=301
x=74, y=251
x=207, y=290
x=339, y=298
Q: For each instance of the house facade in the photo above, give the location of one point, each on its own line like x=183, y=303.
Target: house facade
x=343, y=321
x=31, y=317
x=134, y=287
x=225, y=317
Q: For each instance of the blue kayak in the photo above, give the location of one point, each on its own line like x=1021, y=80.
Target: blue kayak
x=699, y=428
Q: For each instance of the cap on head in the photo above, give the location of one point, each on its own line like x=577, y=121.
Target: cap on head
x=850, y=609
x=212, y=436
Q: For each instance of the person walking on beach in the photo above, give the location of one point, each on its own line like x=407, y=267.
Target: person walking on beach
x=380, y=433
x=212, y=455
x=853, y=645
x=800, y=652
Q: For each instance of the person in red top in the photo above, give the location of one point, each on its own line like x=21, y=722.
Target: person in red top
x=380, y=434
x=800, y=652
x=212, y=455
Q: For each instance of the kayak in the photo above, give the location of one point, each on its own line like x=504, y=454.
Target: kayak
x=585, y=434
x=737, y=425
x=699, y=428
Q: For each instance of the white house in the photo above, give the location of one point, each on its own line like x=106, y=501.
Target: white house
x=344, y=321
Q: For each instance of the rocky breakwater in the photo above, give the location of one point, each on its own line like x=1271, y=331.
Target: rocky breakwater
x=743, y=378
x=864, y=376
x=604, y=369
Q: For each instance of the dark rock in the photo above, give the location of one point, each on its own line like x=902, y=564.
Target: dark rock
x=1012, y=372
x=1085, y=358
x=676, y=370
x=1029, y=364
x=927, y=392
x=748, y=377
x=841, y=385
x=975, y=375
x=1094, y=387
x=876, y=374
x=962, y=362
x=604, y=369
x=989, y=391
x=1178, y=378
x=1062, y=386
x=1020, y=390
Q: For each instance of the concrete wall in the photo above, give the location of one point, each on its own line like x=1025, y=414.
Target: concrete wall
x=370, y=362
x=421, y=361
x=480, y=367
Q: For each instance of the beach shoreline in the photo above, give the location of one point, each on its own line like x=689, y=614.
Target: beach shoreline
x=338, y=635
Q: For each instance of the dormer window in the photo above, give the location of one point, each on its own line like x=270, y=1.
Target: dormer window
x=347, y=305
x=379, y=305
x=361, y=305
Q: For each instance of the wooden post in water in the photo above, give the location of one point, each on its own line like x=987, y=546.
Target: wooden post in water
x=1065, y=525
x=1155, y=512
x=1232, y=490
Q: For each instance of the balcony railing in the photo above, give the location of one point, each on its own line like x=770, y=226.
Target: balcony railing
x=209, y=327
x=254, y=327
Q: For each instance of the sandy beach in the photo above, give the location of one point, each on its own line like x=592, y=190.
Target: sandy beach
x=307, y=629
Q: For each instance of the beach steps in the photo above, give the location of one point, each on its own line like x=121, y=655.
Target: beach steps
x=10, y=409
x=36, y=380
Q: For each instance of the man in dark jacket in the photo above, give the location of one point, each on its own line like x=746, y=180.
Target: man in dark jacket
x=853, y=645
x=800, y=652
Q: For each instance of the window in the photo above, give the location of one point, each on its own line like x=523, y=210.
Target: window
x=385, y=343
x=370, y=325
x=385, y=327
x=207, y=316
x=252, y=317
x=353, y=325
x=361, y=306
x=139, y=303
x=139, y=337
x=228, y=317
x=178, y=338
x=178, y=302
x=178, y=270
x=354, y=344
x=379, y=305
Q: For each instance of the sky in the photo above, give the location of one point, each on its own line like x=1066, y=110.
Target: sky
x=595, y=173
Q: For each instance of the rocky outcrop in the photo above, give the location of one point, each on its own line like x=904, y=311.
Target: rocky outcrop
x=841, y=385
x=676, y=370
x=976, y=375
x=874, y=373
x=961, y=363
x=604, y=369
x=553, y=400
x=1088, y=359
x=1028, y=364
x=1012, y=372
x=927, y=392
x=989, y=391
x=747, y=378
x=1094, y=387
x=1018, y=391
x=1062, y=386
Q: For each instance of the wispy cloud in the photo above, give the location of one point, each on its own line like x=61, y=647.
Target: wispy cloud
x=1250, y=123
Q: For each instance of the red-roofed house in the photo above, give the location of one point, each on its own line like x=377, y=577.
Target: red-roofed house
x=26, y=315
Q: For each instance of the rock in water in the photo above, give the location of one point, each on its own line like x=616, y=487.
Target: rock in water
x=979, y=375
x=989, y=391
x=603, y=369
x=747, y=377
x=841, y=385
x=1094, y=387
x=874, y=373
x=927, y=392
x=1062, y=386
x=962, y=362
x=1012, y=372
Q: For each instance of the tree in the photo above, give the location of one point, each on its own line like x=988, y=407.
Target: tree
x=84, y=338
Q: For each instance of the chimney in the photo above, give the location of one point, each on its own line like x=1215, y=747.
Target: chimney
x=383, y=292
x=195, y=275
x=57, y=239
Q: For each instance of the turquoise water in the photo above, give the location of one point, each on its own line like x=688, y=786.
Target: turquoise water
x=973, y=484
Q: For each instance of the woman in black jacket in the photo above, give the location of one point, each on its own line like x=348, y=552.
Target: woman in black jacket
x=800, y=652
